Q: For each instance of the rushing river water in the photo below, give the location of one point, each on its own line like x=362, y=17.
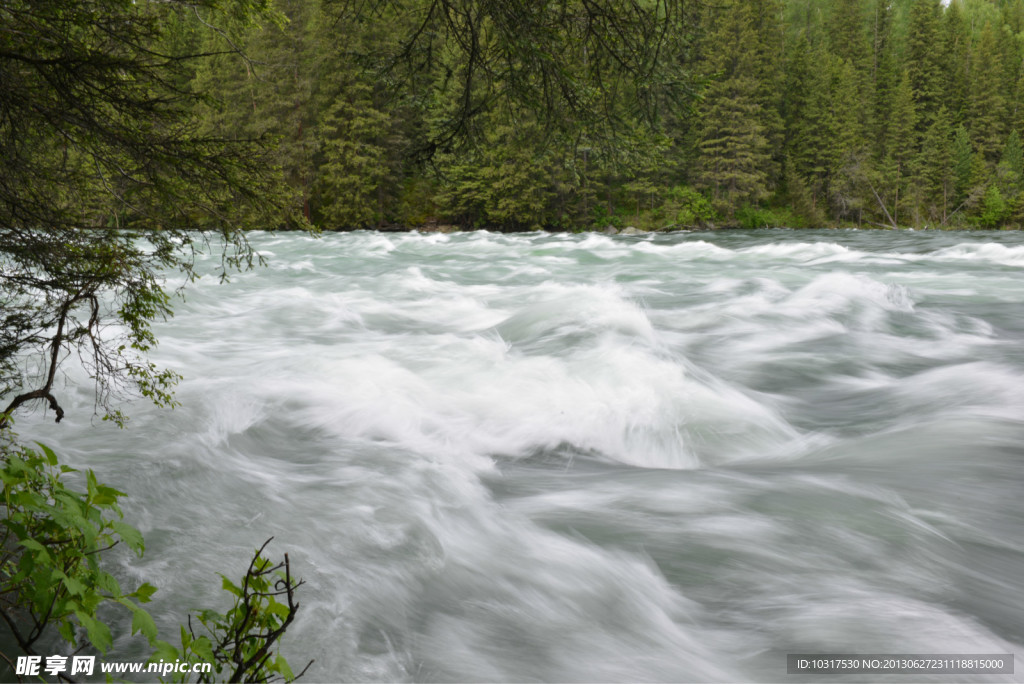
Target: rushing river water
x=589, y=458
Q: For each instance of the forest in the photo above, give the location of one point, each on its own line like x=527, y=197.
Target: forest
x=796, y=113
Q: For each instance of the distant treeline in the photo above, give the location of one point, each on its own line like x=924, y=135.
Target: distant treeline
x=801, y=113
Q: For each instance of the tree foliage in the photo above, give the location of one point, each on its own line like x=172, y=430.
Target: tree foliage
x=109, y=184
x=53, y=579
x=53, y=537
x=105, y=182
x=585, y=113
x=240, y=643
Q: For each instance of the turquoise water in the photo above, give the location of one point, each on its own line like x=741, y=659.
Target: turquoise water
x=589, y=458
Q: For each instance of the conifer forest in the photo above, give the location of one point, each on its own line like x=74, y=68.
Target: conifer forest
x=797, y=113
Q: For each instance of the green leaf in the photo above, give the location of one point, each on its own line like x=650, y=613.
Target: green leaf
x=40, y=550
x=277, y=608
x=108, y=583
x=67, y=631
x=51, y=457
x=106, y=496
x=145, y=592
x=203, y=648
x=165, y=651
x=281, y=665
x=74, y=586
x=142, y=621
x=99, y=633
x=228, y=585
x=131, y=536
x=91, y=484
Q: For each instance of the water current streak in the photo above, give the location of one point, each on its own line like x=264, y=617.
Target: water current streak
x=584, y=458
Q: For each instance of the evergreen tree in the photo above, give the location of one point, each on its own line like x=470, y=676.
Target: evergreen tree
x=350, y=180
x=513, y=181
x=902, y=141
x=988, y=120
x=286, y=79
x=848, y=37
x=806, y=18
x=885, y=75
x=963, y=165
x=957, y=61
x=890, y=178
x=925, y=60
x=1010, y=171
x=935, y=168
x=809, y=125
x=1013, y=16
x=1017, y=112
x=848, y=153
x=735, y=150
x=798, y=90
x=770, y=52
x=266, y=93
x=837, y=106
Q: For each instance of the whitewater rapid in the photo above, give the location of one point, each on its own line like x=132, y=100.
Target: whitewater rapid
x=549, y=457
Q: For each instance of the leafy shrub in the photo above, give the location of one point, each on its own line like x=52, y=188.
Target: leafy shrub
x=51, y=576
x=993, y=210
x=687, y=207
x=760, y=217
x=603, y=218
x=53, y=538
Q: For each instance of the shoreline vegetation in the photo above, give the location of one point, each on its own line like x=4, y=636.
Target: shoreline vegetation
x=798, y=113
x=448, y=228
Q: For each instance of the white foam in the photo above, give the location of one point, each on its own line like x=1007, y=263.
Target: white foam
x=987, y=252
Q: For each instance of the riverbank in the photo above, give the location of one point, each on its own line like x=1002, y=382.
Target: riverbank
x=448, y=228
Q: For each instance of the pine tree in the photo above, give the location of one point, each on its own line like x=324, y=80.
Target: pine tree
x=848, y=37
x=890, y=177
x=267, y=93
x=735, y=151
x=1017, y=113
x=902, y=141
x=1010, y=171
x=350, y=179
x=935, y=168
x=286, y=82
x=367, y=129
x=809, y=125
x=925, y=60
x=228, y=78
x=849, y=158
x=885, y=75
x=987, y=101
x=963, y=164
x=957, y=61
x=1013, y=16
x=797, y=93
x=770, y=51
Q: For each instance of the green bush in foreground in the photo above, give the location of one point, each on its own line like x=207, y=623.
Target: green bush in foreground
x=51, y=577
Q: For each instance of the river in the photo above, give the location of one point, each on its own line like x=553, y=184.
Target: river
x=543, y=457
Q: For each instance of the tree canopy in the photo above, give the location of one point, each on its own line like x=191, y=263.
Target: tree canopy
x=577, y=114
x=105, y=182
